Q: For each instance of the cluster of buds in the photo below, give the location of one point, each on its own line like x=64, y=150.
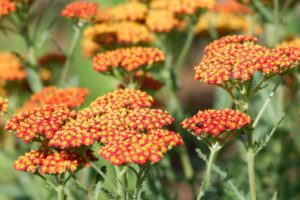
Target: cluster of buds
x=69, y=97
x=6, y=7
x=124, y=116
x=238, y=57
x=216, y=124
x=80, y=11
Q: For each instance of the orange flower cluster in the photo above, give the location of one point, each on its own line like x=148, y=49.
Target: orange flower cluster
x=188, y=7
x=161, y=21
x=231, y=6
x=131, y=11
x=80, y=10
x=69, y=97
x=141, y=148
x=11, y=67
x=50, y=163
x=129, y=59
x=3, y=105
x=39, y=122
x=212, y=123
x=6, y=7
x=292, y=42
x=123, y=116
x=238, y=57
x=118, y=32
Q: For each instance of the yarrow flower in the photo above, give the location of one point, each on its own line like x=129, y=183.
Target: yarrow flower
x=11, y=68
x=141, y=148
x=80, y=10
x=121, y=117
x=40, y=122
x=7, y=7
x=188, y=7
x=161, y=21
x=238, y=57
x=69, y=97
x=129, y=59
x=47, y=162
x=131, y=11
x=118, y=32
x=292, y=42
x=213, y=123
x=3, y=105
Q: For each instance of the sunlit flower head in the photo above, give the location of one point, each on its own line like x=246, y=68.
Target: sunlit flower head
x=238, y=57
x=80, y=10
x=292, y=42
x=69, y=97
x=129, y=59
x=119, y=32
x=131, y=11
x=161, y=21
x=188, y=7
x=231, y=6
x=11, y=68
x=213, y=123
x=47, y=162
x=40, y=122
x=3, y=105
x=6, y=7
x=142, y=148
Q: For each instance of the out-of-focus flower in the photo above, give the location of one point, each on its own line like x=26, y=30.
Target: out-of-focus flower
x=129, y=59
x=188, y=7
x=51, y=58
x=50, y=163
x=224, y=23
x=11, y=67
x=6, y=7
x=89, y=47
x=80, y=10
x=3, y=105
x=69, y=97
x=292, y=42
x=238, y=57
x=131, y=11
x=146, y=81
x=161, y=21
x=141, y=148
x=213, y=123
x=39, y=122
x=118, y=32
x=231, y=6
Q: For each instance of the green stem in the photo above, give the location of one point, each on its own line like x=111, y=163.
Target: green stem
x=140, y=178
x=60, y=192
x=71, y=53
x=205, y=185
x=121, y=182
x=251, y=173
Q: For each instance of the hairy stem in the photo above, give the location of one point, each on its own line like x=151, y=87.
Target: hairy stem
x=60, y=192
x=121, y=183
x=251, y=173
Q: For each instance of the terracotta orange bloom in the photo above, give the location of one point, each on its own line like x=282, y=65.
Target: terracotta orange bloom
x=129, y=59
x=161, y=21
x=131, y=11
x=39, y=122
x=80, y=10
x=11, y=68
x=69, y=97
x=212, y=123
x=6, y=7
x=141, y=148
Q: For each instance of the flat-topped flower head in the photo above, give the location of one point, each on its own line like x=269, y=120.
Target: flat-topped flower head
x=46, y=162
x=11, y=67
x=129, y=59
x=3, y=105
x=182, y=7
x=142, y=148
x=119, y=33
x=213, y=123
x=80, y=10
x=39, y=122
x=161, y=21
x=123, y=98
x=69, y=97
x=7, y=7
x=130, y=11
